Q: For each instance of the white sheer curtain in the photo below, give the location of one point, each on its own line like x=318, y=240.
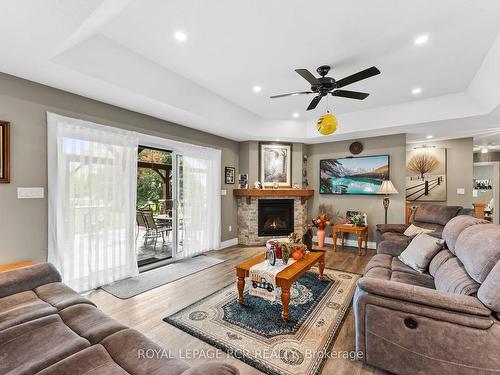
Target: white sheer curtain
x=92, y=173
x=198, y=194
x=200, y=203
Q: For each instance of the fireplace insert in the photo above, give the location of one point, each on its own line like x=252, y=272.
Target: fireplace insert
x=275, y=217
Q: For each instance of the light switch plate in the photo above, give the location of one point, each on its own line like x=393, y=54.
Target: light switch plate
x=223, y=192
x=460, y=191
x=30, y=193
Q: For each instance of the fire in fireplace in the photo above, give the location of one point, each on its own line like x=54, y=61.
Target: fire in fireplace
x=275, y=217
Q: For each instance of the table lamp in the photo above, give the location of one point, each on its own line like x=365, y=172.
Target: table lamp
x=387, y=188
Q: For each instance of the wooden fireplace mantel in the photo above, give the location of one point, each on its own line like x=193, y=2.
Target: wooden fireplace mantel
x=303, y=194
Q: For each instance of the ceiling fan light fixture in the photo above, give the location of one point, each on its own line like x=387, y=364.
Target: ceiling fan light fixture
x=327, y=124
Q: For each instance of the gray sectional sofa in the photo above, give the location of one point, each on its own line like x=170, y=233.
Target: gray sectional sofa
x=428, y=216
x=48, y=329
x=444, y=321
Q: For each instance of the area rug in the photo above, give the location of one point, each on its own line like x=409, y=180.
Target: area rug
x=148, y=280
x=255, y=332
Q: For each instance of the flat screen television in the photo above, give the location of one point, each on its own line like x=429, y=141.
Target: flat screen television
x=353, y=175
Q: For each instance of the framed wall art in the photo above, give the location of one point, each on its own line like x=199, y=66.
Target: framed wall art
x=275, y=164
x=229, y=174
x=426, y=174
x=353, y=175
x=4, y=152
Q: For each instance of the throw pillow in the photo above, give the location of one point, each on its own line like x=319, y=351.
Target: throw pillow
x=419, y=253
x=413, y=230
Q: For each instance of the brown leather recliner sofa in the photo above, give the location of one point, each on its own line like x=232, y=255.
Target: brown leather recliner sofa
x=444, y=321
x=46, y=328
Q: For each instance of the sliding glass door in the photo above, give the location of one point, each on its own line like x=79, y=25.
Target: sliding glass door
x=155, y=232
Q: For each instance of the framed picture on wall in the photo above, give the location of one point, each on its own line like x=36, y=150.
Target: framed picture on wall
x=229, y=173
x=362, y=175
x=4, y=152
x=426, y=174
x=275, y=164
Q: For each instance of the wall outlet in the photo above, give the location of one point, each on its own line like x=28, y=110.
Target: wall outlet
x=230, y=228
x=29, y=193
x=460, y=191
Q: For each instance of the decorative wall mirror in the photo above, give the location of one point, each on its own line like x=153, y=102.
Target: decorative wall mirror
x=4, y=152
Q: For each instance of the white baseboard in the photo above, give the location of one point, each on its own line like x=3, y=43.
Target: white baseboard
x=228, y=243
x=353, y=243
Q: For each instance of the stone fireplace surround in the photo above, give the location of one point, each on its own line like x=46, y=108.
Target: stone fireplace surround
x=248, y=205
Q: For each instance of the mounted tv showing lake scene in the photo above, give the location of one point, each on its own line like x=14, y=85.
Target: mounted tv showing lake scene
x=353, y=176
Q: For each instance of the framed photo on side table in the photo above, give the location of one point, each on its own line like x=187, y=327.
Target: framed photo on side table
x=4, y=152
x=275, y=164
x=230, y=173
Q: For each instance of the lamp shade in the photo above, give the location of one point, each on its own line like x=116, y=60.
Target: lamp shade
x=387, y=188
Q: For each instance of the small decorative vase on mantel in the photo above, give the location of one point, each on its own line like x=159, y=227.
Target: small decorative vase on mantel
x=320, y=233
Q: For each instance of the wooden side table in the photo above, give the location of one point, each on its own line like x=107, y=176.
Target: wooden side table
x=361, y=232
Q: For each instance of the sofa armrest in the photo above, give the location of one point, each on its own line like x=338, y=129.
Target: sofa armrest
x=212, y=368
x=423, y=296
x=395, y=228
x=27, y=278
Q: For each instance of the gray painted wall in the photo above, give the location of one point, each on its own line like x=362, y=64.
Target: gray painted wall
x=459, y=169
x=489, y=156
x=23, y=222
x=249, y=161
x=393, y=145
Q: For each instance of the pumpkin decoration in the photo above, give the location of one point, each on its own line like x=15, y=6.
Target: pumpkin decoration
x=284, y=250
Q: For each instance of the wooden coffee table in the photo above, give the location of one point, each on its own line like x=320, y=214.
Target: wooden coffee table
x=360, y=231
x=285, y=278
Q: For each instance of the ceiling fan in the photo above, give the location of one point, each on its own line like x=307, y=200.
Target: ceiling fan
x=327, y=85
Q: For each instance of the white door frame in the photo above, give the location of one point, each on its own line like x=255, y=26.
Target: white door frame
x=496, y=180
x=163, y=144
x=176, y=249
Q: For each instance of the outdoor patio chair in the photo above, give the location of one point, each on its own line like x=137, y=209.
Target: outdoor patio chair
x=153, y=229
x=141, y=223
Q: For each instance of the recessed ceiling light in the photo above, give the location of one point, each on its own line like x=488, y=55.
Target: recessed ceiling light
x=416, y=91
x=295, y=115
x=429, y=137
x=180, y=36
x=257, y=89
x=277, y=139
x=421, y=39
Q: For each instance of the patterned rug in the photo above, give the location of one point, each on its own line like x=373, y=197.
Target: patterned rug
x=255, y=332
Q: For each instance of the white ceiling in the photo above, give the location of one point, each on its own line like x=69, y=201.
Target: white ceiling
x=123, y=53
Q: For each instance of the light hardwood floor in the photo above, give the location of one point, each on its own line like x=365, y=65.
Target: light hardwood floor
x=146, y=311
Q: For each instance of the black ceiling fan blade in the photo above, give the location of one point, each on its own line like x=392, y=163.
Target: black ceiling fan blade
x=308, y=76
x=350, y=94
x=364, y=74
x=314, y=102
x=291, y=94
